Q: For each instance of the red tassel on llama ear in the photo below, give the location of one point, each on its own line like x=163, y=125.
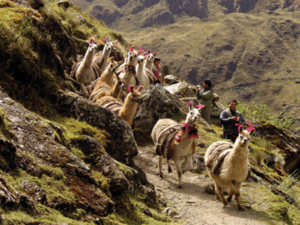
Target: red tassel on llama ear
x=185, y=124
x=131, y=49
x=190, y=103
x=154, y=53
x=147, y=51
x=239, y=127
x=105, y=38
x=146, y=55
x=140, y=50
x=91, y=40
x=130, y=88
x=200, y=106
x=250, y=127
x=140, y=87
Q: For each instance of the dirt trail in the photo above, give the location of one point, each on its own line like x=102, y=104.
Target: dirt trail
x=191, y=202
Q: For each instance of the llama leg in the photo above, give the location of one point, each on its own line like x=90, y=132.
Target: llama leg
x=231, y=191
x=169, y=166
x=238, y=196
x=160, y=158
x=220, y=193
x=84, y=91
x=216, y=192
x=179, y=171
x=188, y=163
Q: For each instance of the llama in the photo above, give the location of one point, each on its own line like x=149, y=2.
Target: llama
x=127, y=110
x=174, y=141
x=101, y=57
x=228, y=165
x=86, y=71
x=106, y=90
x=145, y=76
x=149, y=59
x=129, y=73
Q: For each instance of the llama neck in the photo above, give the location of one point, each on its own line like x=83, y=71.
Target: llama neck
x=128, y=110
x=88, y=58
x=139, y=69
x=116, y=90
x=239, y=152
x=106, y=54
x=107, y=77
x=148, y=65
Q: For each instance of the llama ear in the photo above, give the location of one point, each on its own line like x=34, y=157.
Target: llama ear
x=140, y=88
x=191, y=105
x=140, y=50
x=106, y=39
x=154, y=53
x=91, y=40
x=131, y=49
x=251, y=129
x=111, y=59
x=130, y=88
x=200, y=107
x=115, y=43
x=240, y=126
x=100, y=42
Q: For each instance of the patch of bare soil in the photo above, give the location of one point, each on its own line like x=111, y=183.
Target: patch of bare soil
x=192, y=203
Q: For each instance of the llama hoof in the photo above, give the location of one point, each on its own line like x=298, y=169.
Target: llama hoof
x=229, y=198
x=241, y=209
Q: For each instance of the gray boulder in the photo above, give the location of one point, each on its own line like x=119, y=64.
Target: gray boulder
x=170, y=79
x=182, y=90
x=156, y=103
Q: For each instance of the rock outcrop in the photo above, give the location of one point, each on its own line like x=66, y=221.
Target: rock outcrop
x=123, y=146
x=156, y=103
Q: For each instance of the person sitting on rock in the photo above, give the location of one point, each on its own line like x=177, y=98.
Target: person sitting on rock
x=206, y=95
x=229, y=118
x=159, y=75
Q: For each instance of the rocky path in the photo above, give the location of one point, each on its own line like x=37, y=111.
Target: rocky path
x=192, y=203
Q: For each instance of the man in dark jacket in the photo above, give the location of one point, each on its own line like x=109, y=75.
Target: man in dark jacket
x=229, y=118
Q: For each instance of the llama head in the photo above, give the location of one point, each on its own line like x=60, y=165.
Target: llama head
x=121, y=83
x=244, y=135
x=149, y=56
x=92, y=46
x=193, y=114
x=109, y=45
x=113, y=65
x=132, y=56
x=134, y=95
x=140, y=59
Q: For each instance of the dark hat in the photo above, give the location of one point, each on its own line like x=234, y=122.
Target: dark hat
x=156, y=59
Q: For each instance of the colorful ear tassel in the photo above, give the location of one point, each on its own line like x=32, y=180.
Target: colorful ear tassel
x=200, y=106
x=105, y=38
x=129, y=88
x=91, y=40
x=239, y=127
x=250, y=127
x=140, y=50
x=140, y=87
x=131, y=49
